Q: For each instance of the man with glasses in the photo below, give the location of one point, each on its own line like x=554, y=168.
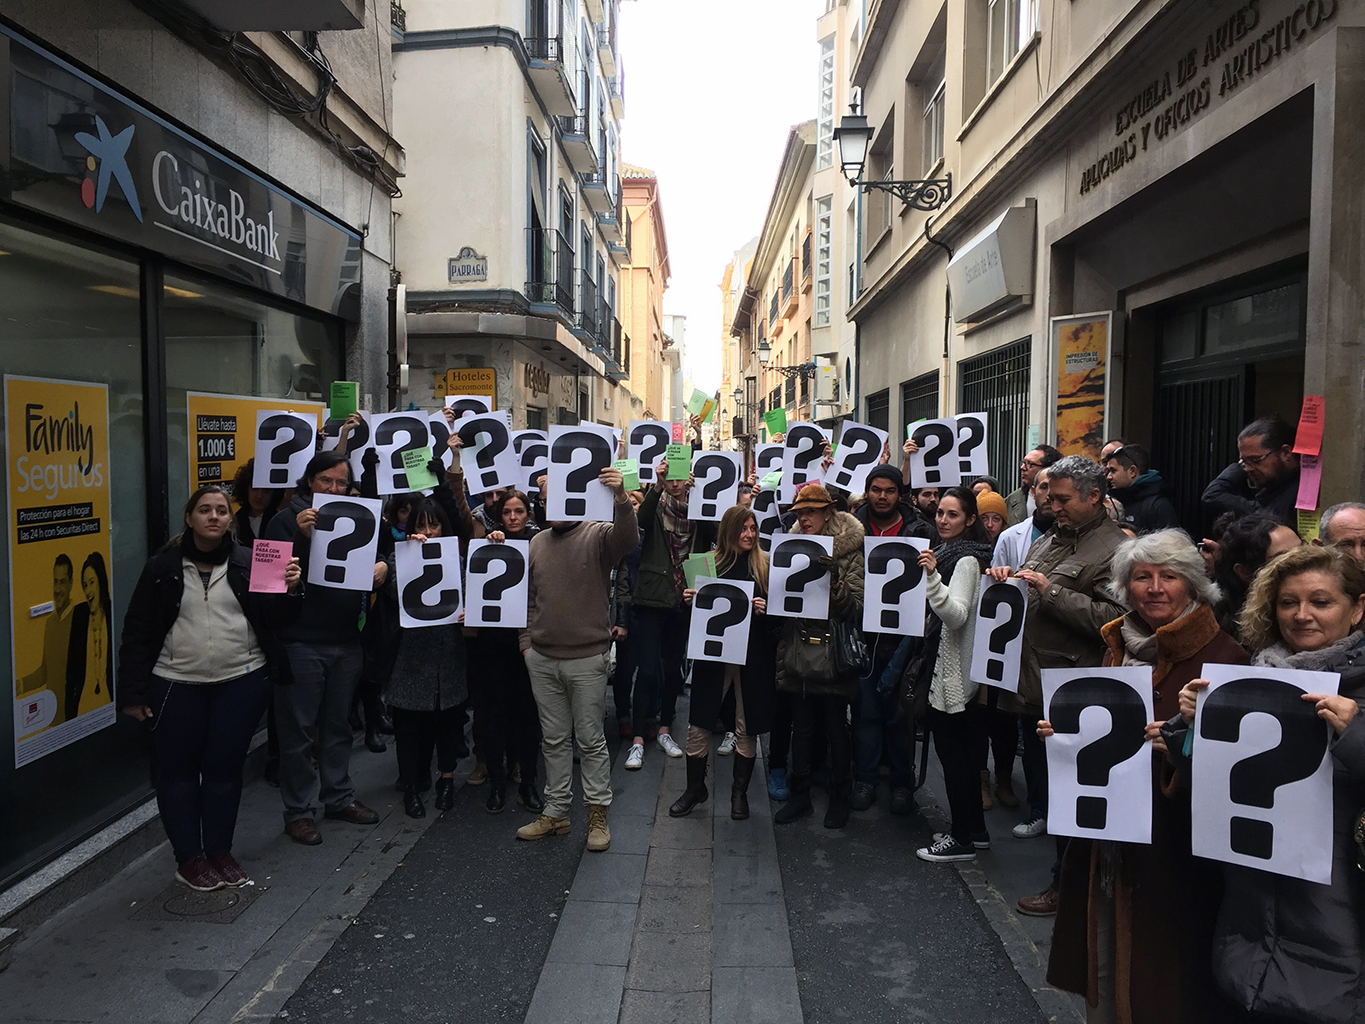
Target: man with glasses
x=1265, y=477
x=1343, y=526
x=1019, y=505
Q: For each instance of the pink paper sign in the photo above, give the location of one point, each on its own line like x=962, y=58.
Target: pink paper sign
x=1310, y=482
x=269, y=560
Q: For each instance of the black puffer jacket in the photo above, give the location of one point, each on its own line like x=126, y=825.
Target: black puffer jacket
x=1146, y=504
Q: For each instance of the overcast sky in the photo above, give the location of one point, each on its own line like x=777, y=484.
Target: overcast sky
x=712, y=88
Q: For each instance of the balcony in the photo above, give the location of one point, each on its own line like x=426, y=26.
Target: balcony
x=806, y=274
x=606, y=47
x=790, y=295
x=398, y=18
x=576, y=134
x=616, y=91
x=549, y=76
x=595, y=11
x=273, y=16
x=611, y=343
x=773, y=311
x=595, y=192
x=551, y=271
x=589, y=314
x=620, y=251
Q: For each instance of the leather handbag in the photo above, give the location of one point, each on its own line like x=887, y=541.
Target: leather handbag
x=809, y=657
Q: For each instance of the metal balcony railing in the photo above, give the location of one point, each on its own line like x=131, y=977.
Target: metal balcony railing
x=791, y=391
x=805, y=258
x=590, y=310
x=550, y=273
x=772, y=309
x=398, y=17
x=788, y=277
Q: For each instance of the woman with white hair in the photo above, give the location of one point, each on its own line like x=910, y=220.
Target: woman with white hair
x=1135, y=923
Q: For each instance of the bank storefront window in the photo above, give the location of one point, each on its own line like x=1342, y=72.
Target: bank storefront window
x=222, y=342
x=72, y=317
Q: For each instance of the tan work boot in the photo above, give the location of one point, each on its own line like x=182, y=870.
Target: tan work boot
x=1004, y=791
x=986, y=803
x=546, y=826
x=599, y=836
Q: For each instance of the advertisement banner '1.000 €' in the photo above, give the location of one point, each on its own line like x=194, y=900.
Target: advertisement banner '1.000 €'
x=61, y=614
x=222, y=432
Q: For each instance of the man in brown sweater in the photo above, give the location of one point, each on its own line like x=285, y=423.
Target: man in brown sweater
x=565, y=644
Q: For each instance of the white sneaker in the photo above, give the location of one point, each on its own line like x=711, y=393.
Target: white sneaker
x=727, y=745
x=635, y=760
x=669, y=746
x=1031, y=829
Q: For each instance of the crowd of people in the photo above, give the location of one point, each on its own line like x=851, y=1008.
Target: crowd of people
x=1145, y=933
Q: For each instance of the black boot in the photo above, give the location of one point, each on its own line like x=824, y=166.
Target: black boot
x=373, y=741
x=497, y=798
x=798, y=804
x=445, y=794
x=695, y=793
x=739, y=791
x=412, y=803
x=528, y=795
x=382, y=720
x=840, y=802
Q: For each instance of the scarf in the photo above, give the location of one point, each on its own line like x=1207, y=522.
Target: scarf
x=1043, y=521
x=217, y=556
x=678, y=534
x=1329, y=659
x=949, y=554
x=1139, y=639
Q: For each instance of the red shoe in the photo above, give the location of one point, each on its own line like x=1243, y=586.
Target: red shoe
x=200, y=875
x=231, y=872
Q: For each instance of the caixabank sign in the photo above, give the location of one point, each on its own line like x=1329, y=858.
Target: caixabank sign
x=80, y=151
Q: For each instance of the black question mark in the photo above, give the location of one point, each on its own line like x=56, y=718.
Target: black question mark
x=804, y=454
x=765, y=512
x=514, y=568
x=467, y=407
x=270, y=430
x=970, y=433
x=943, y=441
x=433, y=575
x=535, y=457
x=417, y=431
x=521, y=438
x=440, y=435
x=879, y=559
x=784, y=557
x=563, y=449
x=992, y=598
x=870, y=452
x=652, y=439
x=725, y=477
x=1127, y=733
x=1253, y=780
x=495, y=428
x=719, y=622
x=362, y=532
x=768, y=459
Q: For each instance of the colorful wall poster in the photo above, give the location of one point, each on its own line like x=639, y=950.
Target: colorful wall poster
x=61, y=613
x=222, y=431
x=1080, y=381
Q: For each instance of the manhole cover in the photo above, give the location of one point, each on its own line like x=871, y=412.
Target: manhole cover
x=177, y=903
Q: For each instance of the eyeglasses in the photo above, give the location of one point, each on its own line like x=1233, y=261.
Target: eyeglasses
x=1026, y=464
x=1254, y=460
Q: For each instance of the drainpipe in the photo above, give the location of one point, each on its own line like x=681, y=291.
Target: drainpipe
x=947, y=310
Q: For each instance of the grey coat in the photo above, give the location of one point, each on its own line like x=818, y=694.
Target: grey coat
x=429, y=671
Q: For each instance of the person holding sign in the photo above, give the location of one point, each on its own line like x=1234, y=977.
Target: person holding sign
x=743, y=696
x=806, y=666
x=1286, y=949
x=1121, y=928
x=195, y=667
x=961, y=555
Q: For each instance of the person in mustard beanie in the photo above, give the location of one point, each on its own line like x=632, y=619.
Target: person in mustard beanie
x=990, y=506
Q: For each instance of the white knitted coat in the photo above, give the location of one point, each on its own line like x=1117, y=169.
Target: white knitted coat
x=952, y=689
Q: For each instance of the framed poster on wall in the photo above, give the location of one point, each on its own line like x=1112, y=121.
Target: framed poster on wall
x=1079, y=350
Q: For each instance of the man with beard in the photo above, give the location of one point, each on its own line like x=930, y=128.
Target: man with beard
x=1019, y=504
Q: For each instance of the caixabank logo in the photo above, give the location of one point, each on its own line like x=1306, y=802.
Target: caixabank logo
x=109, y=157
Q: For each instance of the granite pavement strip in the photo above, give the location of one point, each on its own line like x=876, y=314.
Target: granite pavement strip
x=682, y=921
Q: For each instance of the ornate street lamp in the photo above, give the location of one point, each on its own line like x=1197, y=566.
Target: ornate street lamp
x=854, y=136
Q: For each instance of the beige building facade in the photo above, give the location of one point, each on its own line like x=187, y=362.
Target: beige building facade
x=644, y=279
x=1181, y=181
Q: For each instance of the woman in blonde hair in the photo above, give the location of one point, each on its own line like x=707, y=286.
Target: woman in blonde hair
x=743, y=696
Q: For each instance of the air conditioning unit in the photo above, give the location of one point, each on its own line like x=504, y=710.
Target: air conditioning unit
x=826, y=383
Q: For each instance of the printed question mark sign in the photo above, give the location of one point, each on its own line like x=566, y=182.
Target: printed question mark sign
x=439, y=430
x=275, y=471
x=719, y=622
x=363, y=527
x=494, y=428
x=1126, y=736
x=859, y=446
x=646, y=443
x=766, y=513
x=596, y=456
x=971, y=437
x=418, y=434
x=464, y=406
x=936, y=441
x=785, y=557
x=1254, y=779
x=715, y=473
x=514, y=569
x=993, y=598
x=535, y=457
x=879, y=559
x=433, y=575
x=767, y=458
x=807, y=447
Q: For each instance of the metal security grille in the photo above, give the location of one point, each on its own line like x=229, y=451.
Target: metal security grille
x=1195, y=437
x=919, y=398
x=879, y=410
x=997, y=383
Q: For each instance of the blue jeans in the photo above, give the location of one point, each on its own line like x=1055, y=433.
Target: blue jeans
x=875, y=730
x=659, y=636
x=201, y=733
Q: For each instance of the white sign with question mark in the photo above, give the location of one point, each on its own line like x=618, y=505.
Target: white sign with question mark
x=533, y=456
x=718, y=476
x=284, y=444
x=488, y=459
x=973, y=454
x=646, y=441
x=440, y=434
x=497, y=584
x=999, y=641
x=1099, y=762
x=393, y=433
x=468, y=405
x=803, y=450
x=577, y=455
x=893, y=585
x=798, y=585
x=429, y=592
x=345, y=542
x=858, y=452
x=936, y=463
x=767, y=459
x=1261, y=787
x=767, y=516
x=722, y=614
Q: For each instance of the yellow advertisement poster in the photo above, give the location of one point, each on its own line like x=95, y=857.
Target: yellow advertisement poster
x=62, y=623
x=1080, y=362
x=222, y=431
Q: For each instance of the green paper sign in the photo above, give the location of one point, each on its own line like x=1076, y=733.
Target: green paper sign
x=696, y=403
x=698, y=565
x=420, y=477
x=630, y=473
x=345, y=399
x=679, y=461
x=707, y=409
x=776, y=419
